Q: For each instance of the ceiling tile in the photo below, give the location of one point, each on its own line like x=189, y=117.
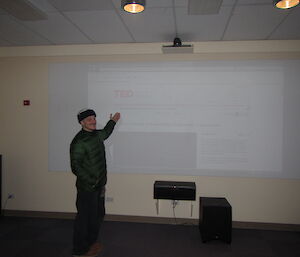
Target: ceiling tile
x=101, y=26
x=184, y=3
x=81, y=5
x=253, y=22
x=17, y=34
x=181, y=3
x=43, y=5
x=201, y=27
x=230, y=2
x=254, y=2
x=155, y=25
x=290, y=27
x=58, y=30
x=149, y=3
x=160, y=3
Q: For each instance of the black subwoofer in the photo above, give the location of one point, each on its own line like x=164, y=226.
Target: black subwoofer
x=215, y=219
x=0, y=185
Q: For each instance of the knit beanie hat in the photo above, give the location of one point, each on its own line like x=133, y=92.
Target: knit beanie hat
x=82, y=114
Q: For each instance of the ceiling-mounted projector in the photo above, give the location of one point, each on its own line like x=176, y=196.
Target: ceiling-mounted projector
x=177, y=48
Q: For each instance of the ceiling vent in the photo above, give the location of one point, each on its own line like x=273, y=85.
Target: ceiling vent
x=22, y=10
x=203, y=7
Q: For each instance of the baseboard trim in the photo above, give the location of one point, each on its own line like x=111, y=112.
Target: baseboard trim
x=39, y=214
x=155, y=220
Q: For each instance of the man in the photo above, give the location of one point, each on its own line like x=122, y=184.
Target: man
x=88, y=163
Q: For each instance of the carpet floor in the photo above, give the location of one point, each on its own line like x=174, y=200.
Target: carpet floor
x=43, y=237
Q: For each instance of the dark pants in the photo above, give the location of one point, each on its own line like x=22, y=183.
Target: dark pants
x=90, y=213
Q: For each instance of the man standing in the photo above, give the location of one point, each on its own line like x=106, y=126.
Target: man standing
x=88, y=163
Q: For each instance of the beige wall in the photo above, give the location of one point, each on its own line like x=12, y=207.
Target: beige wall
x=24, y=138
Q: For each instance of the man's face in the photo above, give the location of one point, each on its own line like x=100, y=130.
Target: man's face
x=89, y=123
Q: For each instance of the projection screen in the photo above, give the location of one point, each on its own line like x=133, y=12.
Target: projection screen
x=219, y=118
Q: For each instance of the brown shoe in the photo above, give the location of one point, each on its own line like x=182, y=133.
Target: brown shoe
x=89, y=253
x=96, y=246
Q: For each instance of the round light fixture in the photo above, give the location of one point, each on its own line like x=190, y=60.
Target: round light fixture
x=285, y=4
x=133, y=6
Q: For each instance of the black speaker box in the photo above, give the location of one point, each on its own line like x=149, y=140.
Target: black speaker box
x=0, y=185
x=215, y=219
x=174, y=190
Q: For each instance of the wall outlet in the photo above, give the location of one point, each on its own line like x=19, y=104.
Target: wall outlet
x=109, y=199
x=10, y=196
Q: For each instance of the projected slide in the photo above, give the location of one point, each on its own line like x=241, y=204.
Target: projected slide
x=186, y=117
x=210, y=118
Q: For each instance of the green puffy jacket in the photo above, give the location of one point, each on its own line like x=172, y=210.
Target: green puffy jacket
x=88, y=161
